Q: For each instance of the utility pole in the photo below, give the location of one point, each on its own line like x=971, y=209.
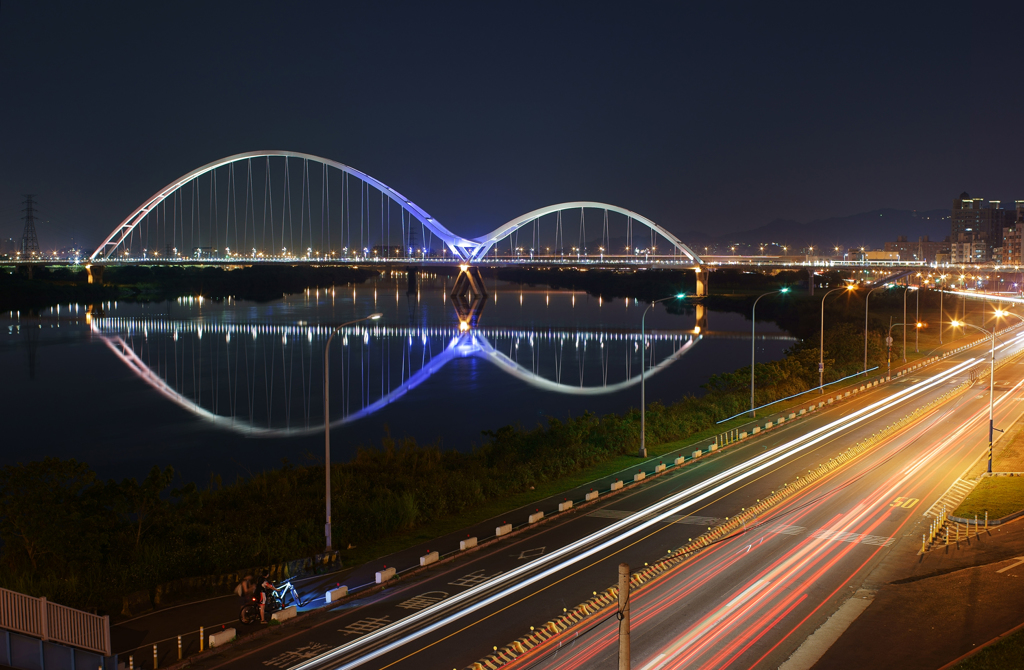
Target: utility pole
x=623, y=616
x=29, y=241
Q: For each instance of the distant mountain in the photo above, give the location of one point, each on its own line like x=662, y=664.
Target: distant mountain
x=870, y=230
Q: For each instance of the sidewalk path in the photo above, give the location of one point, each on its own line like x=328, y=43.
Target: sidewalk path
x=943, y=606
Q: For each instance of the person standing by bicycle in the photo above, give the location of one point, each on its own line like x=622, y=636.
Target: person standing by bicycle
x=265, y=588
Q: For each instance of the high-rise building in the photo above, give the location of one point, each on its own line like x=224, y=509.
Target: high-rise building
x=977, y=229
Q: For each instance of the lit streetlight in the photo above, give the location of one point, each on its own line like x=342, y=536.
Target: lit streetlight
x=327, y=416
x=643, y=366
x=821, y=347
x=753, y=342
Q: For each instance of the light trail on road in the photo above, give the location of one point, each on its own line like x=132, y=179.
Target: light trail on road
x=619, y=531
x=756, y=606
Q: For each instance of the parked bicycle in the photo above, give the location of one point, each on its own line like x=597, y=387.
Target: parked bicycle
x=277, y=600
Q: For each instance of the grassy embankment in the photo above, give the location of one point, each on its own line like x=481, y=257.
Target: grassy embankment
x=999, y=496
x=1007, y=653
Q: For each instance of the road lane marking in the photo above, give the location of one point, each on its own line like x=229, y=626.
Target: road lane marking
x=1019, y=559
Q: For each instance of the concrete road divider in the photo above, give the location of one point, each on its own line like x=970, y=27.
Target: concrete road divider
x=468, y=543
x=659, y=467
x=428, y=558
x=680, y=460
x=755, y=430
x=616, y=485
x=698, y=452
x=336, y=594
x=224, y=636
x=280, y=615
x=562, y=506
x=536, y=516
x=503, y=529
x=592, y=496
x=713, y=447
x=639, y=476
x=384, y=575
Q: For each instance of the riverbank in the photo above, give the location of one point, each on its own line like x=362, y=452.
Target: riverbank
x=65, y=285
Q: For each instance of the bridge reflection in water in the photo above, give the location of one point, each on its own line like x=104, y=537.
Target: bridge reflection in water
x=266, y=379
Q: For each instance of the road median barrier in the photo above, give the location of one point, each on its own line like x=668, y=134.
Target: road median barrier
x=223, y=637
x=428, y=558
x=616, y=485
x=592, y=495
x=661, y=466
x=336, y=594
x=604, y=602
x=382, y=576
x=283, y=615
x=468, y=543
x=503, y=529
x=536, y=516
x=640, y=476
x=564, y=505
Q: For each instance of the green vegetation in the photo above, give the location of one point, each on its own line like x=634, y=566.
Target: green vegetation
x=999, y=496
x=1007, y=653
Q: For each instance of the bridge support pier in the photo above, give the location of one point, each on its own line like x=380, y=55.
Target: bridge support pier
x=702, y=281
x=95, y=273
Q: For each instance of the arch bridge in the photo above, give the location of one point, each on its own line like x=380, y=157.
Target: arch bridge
x=286, y=206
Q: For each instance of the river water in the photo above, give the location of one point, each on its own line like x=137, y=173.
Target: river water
x=233, y=387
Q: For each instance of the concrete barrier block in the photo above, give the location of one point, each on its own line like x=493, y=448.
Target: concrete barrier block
x=861, y=387
x=792, y=415
x=639, y=476
x=592, y=496
x=616, y=485
x=660, y=466
x=224, y=636
x=696, y=453
x=768, y=425
x=283, y=615
x=562, y=506
x=468, y=543
x=334, y=595
x=847, y=395
x=755, y=430
x=830, y=401
x=384, y=575
x=743, y=436
x=429, y=558
x=803, y=411
x=713, y=447
x=504, y=529
x=536, y=516
x=680, y=460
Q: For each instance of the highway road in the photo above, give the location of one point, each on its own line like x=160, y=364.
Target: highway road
x=749, y=601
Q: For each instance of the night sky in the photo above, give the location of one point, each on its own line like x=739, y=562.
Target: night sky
x=699, y=117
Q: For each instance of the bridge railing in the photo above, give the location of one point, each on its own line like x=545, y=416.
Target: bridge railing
x=48, y=621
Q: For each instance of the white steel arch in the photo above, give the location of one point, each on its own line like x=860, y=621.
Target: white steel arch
x=459, y=245
x=485, y=242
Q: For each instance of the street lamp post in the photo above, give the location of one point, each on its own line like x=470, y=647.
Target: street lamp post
x=753, y=343
x=327, y=417
x=867, y=298
x=643, y=366
x=991, y=376
x=821, y=347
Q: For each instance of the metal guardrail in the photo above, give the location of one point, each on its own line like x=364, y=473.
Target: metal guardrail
x=51, y=622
